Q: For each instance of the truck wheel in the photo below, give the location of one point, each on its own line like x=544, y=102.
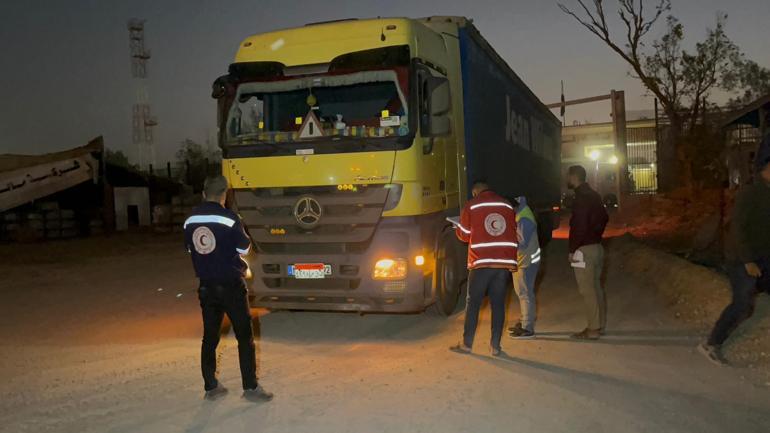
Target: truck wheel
x=449, y=278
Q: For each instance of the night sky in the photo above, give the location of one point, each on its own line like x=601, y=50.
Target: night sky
x=66, y=71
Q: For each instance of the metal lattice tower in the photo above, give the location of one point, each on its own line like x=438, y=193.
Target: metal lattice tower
x=143, y=120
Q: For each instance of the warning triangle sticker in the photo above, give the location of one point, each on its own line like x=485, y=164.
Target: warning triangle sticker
x=311, y=126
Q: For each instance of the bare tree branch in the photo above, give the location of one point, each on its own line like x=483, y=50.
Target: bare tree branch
x=636, y=27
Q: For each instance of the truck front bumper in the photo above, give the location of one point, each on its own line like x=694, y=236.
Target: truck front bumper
x=351, y=286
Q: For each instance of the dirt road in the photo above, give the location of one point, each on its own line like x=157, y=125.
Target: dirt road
x=101, y=339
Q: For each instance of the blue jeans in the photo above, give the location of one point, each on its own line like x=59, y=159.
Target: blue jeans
x=481, y=282
x=742, y=306
x=524, y=285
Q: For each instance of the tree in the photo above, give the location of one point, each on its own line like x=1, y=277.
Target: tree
x=755, y=82
x=118, y=158
x=681, y=80
x=197, y=161
x=190, y=152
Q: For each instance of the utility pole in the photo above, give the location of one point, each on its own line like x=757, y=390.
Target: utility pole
x=618, y=103
x=142, y=119
x=621, y=147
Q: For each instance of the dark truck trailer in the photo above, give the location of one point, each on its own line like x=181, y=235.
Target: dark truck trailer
x=512, y=140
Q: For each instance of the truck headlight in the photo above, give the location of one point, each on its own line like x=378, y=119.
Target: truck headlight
x=389, y=269
x=394, y=195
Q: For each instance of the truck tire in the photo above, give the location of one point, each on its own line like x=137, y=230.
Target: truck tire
x=449, y=276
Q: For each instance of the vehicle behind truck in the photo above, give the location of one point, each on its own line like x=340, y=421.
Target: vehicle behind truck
x=348, y=143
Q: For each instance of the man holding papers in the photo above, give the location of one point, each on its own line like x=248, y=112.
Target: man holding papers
x=586, y=254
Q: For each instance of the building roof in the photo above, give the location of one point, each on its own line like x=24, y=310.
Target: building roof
x=749, y=115
x=593, y=128
x=9, y=162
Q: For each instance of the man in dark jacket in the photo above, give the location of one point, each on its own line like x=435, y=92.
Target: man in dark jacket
x=747, y=253
x=586, y=254
x=216, y=240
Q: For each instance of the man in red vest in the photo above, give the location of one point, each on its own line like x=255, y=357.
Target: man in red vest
x=488, y=225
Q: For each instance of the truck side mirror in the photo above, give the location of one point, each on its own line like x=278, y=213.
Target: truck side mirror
x=440, y=106
x=221, y=87
x=440, y=101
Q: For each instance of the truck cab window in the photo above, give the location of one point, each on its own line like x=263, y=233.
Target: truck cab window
x=368, y=104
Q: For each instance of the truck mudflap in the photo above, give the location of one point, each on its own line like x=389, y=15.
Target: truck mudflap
x=350, y=286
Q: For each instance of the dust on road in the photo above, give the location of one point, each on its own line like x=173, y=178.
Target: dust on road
x=90, y=344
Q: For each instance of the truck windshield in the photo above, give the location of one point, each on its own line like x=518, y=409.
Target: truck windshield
x=360, y=105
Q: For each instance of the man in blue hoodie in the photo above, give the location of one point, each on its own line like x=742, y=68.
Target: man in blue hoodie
x=525, y=275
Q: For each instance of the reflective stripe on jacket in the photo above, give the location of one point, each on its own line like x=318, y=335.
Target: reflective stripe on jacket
x=488, y=225
x=526, y=229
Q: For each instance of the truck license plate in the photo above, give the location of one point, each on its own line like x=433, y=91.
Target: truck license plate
x=309, y=271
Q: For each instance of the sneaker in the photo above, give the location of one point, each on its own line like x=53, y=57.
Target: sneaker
x=587, y=334
x=712, y=353
x=215, y=393
x=522, y=334
x=515, y=327
x=461, y=349
x=497, y=352
x=257, y=395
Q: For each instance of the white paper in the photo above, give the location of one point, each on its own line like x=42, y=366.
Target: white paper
x=390, y=121
x=578, y=260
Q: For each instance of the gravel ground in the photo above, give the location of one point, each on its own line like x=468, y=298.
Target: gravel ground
x=98, y=338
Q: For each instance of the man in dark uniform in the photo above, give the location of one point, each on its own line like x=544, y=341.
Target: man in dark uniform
x=216, y=240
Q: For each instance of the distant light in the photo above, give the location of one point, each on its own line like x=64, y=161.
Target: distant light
x=652, y=165
x=594, y=155
x=419, y=260
x=613, y=159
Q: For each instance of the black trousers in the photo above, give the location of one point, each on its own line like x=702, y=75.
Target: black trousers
x=744, y=288
x=218, y=299
x=481, y=282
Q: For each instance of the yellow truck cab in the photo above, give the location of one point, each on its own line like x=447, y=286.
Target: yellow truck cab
x=348, y=143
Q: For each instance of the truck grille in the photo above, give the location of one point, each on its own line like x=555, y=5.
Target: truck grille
x=347, y=222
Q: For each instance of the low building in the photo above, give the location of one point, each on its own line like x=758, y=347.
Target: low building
x=744, y=131
x=593, y=147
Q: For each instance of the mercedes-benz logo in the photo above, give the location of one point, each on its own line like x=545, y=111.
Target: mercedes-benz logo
x=308, y=212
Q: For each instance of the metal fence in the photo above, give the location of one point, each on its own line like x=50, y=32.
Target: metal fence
x=191, y=173
x=642, y=160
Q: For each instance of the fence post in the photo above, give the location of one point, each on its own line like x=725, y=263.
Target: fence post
x=168, y=169
x=187, y=172
x=151, y=171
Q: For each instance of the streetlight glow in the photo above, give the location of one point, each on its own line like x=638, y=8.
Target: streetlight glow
x=594, y=155
x=613, y=159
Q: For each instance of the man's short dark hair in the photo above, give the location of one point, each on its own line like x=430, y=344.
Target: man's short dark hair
x=479, y=186
x=215, y=186
x=578, y=171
